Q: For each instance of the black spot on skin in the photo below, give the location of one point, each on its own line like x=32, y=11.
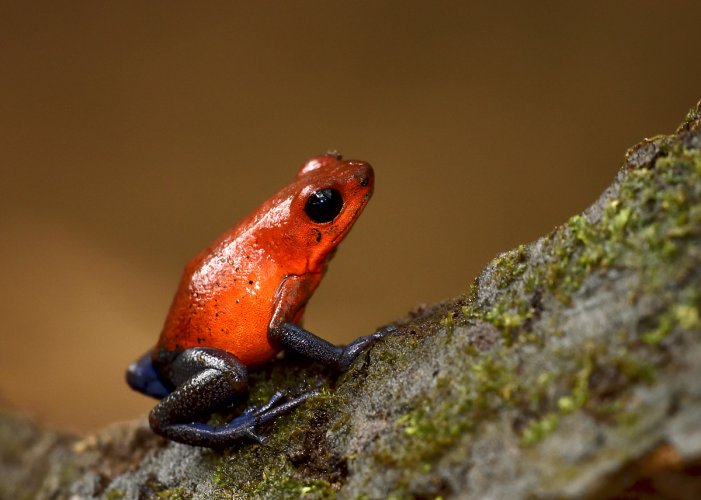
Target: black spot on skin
x=318, y=234
x=364, y=181
x=250, y=282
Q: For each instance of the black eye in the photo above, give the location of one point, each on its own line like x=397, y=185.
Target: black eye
x=324, y=205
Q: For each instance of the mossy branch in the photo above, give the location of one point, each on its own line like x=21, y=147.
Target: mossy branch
x=569, y=368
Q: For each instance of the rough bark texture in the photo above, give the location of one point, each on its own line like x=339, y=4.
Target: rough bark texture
x=572, y=368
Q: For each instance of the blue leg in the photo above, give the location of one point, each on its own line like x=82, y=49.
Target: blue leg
x=208, y=380
x=242, y=427
x=143, y=377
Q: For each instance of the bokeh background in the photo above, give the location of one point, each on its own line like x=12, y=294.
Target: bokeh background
x=133, y=133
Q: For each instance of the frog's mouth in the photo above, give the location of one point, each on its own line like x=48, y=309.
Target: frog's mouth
x=338, y=237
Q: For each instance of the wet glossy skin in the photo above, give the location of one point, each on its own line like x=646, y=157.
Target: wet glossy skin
x=233, y=291
x=241, y=300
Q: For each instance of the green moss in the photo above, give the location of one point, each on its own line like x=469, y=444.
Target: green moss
x=651, y=219
x=691, y=115
x=458, y=406
x=174, y=494
x=448, y=322
x=537, y=430
x=510, y=266
x=687, y=316
x=635, y=369
x=580, y=387
x=666, y=322
x=259, y=471
x=643, y=225
x=114, y=494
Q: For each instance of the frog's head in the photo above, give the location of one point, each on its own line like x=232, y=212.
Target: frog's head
x=301, y=226
x=333, y=193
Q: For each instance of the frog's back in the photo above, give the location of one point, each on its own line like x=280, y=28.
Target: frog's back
x=225, y=300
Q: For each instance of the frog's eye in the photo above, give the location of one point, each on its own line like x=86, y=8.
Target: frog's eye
x=324, y=205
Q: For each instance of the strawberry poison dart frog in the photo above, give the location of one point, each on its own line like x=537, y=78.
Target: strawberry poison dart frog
x=241, y=300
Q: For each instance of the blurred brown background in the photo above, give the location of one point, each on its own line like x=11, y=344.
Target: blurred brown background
x=133, y=134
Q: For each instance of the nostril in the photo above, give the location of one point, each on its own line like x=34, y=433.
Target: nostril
x=364, y=181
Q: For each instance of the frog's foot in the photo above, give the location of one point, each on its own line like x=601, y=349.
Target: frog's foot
x=272, y=402
x=294, y=338
x=353, y=349
x=246, y=423
x=143, y=377
x=243, y=426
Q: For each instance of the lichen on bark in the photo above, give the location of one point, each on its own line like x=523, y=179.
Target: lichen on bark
x=569, y=368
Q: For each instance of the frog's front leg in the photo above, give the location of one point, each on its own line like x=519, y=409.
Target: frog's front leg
x=294, y=338
x=295, y=290
x=207, y=380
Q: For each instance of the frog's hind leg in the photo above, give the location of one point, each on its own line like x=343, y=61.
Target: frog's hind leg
x=242, y=427
x=143, y=377
x=208, y=380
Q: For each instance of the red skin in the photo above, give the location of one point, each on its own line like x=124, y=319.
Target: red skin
x=262, y=272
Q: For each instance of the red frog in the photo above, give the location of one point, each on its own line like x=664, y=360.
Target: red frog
x=241, y=300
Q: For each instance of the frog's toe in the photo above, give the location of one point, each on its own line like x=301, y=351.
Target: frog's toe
x=382, y=332
x=245, y=425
